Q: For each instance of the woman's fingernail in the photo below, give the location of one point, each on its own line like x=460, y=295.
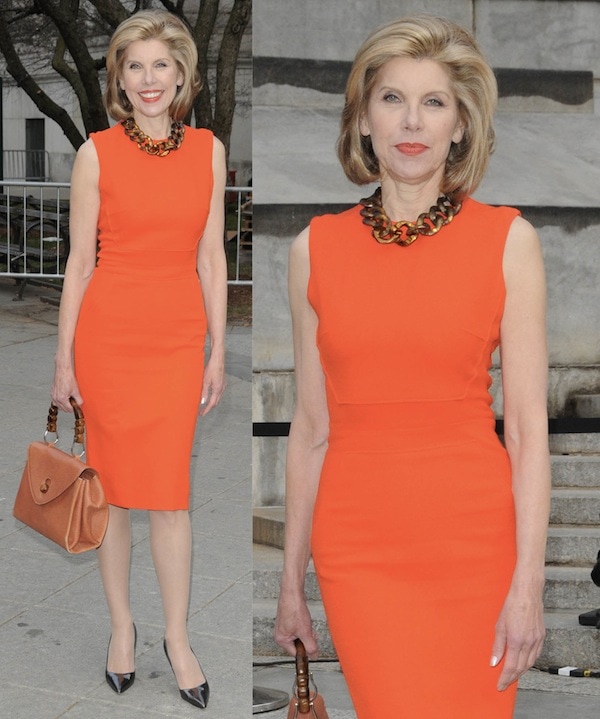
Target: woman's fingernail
x=494, y=662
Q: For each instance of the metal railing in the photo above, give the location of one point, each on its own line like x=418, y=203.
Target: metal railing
x=238, y=208
x=34, y=231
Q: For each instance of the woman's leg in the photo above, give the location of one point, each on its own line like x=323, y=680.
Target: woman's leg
x=171, y=542
x=113, y=558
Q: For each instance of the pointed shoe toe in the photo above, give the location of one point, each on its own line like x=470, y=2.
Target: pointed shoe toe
x=198, y=696
x=118, y=682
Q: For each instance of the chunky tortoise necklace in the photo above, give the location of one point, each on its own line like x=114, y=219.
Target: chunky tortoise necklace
x=147, y=144
x=404, y=232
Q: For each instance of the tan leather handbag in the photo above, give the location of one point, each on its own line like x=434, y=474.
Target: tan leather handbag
x=306, y=703
x=60, y=496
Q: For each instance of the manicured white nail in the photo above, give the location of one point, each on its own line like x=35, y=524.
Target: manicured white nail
x=203, y=400
x=494, y=661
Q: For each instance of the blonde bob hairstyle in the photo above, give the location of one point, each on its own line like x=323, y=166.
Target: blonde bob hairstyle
x=152, y=25
x=473, y=83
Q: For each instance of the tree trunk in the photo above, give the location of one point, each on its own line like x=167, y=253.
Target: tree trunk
x=237, y=23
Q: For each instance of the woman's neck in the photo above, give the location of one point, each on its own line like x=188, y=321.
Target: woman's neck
x=407, y=202
x=157, y=128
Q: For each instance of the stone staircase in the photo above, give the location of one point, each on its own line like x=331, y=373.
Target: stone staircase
x=573, y=543
x=548, y=103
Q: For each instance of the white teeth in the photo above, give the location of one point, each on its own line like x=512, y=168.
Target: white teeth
x=150, y=95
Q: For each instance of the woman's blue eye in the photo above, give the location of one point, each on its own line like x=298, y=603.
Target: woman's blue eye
x=390, y=97
x=434, y=101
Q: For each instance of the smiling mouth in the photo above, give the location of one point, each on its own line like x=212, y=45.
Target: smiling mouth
x=153, y=95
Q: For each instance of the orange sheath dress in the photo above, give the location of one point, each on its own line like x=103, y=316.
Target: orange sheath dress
x=413, y=530
x=139, y=340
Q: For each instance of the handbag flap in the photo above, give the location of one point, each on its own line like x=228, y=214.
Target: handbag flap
x=51, y=471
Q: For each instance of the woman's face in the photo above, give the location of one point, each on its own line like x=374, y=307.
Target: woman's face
x=149, y=77
x=412, y=118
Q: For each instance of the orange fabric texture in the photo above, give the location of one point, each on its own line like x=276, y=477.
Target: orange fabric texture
x=139, y=342
x=413, y=531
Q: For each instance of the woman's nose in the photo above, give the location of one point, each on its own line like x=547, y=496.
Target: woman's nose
x=412, y=119
x=148, y=75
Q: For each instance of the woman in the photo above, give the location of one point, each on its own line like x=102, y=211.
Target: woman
x=132, y=325
x=427, y=535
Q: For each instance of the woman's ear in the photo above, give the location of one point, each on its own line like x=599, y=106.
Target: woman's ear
x=459, y=133
x=363, y=126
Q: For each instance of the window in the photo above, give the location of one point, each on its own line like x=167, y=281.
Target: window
x=35, y=145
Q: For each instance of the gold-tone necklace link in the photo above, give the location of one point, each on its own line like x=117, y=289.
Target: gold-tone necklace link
x=404, y=233
x=147, y=144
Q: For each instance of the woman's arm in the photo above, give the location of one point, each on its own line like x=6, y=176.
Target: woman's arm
x=212, y=270
x=306, y=448
x=520, y=629
x=83, y=232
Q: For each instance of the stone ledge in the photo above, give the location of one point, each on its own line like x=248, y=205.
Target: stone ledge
x=268, y=526
x=287, y=220
x=566, y=89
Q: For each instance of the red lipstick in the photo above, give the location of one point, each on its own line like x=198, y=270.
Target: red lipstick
x=411, y=148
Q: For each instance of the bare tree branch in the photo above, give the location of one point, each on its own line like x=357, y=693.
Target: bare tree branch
x=111, y=11
x=64, y=17
x=24, y=80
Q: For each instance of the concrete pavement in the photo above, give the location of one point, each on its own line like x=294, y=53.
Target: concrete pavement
x=53, y=620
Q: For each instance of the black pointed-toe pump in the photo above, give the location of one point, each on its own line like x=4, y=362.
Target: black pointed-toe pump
x=197, y=696
x=118, y=682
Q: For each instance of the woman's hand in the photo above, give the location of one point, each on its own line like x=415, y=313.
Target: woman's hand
x=520, y=634
x=65, y=386
x=213, y=385
x=293, y=621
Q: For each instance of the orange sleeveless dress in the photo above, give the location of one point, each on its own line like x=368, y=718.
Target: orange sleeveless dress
x=413, y=530
x=139, y=341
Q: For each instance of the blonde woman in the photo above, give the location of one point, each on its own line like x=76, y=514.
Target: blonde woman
x=133, y=319
x=427, y=534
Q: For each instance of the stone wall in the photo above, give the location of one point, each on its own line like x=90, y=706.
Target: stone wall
x=547, y=163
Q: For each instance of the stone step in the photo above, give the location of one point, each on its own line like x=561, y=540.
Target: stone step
x=586, y=405
x=567, y=642
x=573, y=470
x=570, y=588
x=575, y=443
x=268, y=526
x=571, y=545
x=567, y=587
x=263, y=643
x=568, y=544
x=575, y=506
x=267, y=564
